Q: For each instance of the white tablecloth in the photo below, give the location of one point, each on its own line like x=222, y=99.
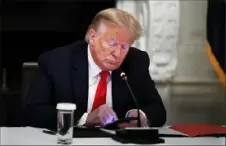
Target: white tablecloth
x=35, y=136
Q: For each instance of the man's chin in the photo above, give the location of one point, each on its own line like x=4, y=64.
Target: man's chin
x=111, y=67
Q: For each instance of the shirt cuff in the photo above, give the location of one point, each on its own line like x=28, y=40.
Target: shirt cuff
x=82, y=120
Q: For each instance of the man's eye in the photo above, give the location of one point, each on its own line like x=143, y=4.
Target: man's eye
x=112, y=42
x=125, y=47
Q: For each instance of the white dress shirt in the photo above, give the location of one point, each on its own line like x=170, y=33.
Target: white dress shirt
x=94, y=78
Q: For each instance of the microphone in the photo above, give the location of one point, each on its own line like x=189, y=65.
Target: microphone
x=124, y=77
x=140, y=134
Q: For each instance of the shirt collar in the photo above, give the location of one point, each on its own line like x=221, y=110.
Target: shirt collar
x=94, y=69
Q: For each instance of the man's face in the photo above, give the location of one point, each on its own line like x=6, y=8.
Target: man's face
x=110, y=47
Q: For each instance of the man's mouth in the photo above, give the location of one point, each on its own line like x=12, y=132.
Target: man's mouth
x=112, y=62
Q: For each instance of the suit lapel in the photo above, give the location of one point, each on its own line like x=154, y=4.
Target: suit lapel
x=79, y=77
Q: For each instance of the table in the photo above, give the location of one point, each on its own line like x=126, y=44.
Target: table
x=35, y=136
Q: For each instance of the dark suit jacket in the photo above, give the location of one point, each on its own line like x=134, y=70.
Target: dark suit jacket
x=63, y=77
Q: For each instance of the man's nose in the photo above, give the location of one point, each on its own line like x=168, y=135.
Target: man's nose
x=117, y=51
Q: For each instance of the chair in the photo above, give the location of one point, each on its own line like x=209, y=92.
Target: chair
x=29, y=70
x=11, y=106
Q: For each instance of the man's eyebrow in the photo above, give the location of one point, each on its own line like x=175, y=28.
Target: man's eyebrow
x=112, y=38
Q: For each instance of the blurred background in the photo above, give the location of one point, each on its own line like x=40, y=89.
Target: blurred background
x=185, y=41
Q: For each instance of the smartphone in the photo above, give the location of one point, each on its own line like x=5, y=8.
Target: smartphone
x=114, y=125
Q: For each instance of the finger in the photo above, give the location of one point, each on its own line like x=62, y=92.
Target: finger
x=109, y=113
x=107, y=108
x=133, y=122
x=113, y=114
x=108, y=117
x=93, y=118
x=102, y=122
x=103, y=116
x=132, y=114
x=102, y=109
x=143, y=120
x=123, y=125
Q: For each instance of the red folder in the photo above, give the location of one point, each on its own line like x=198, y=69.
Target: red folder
x=200, y=129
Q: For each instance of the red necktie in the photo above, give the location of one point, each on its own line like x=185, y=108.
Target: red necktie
x=100, y=97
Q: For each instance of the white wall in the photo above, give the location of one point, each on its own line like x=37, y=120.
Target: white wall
x=193, y=63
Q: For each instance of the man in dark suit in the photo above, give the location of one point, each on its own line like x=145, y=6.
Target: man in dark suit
x=87, y=73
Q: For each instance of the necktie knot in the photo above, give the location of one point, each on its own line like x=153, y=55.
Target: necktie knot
x=104, y=74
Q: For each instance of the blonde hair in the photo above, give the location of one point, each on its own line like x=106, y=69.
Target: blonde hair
x=119, y=17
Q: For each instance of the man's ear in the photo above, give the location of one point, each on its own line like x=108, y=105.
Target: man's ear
x=92, y=36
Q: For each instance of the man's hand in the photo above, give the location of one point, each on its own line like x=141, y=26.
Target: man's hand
x=101, y=116
x=133, y=123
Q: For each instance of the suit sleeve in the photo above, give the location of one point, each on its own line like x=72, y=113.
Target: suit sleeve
x=40, y=104
x=151, y=101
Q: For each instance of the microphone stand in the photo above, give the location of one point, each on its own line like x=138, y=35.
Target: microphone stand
x=124, y=77
x=140, y=134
